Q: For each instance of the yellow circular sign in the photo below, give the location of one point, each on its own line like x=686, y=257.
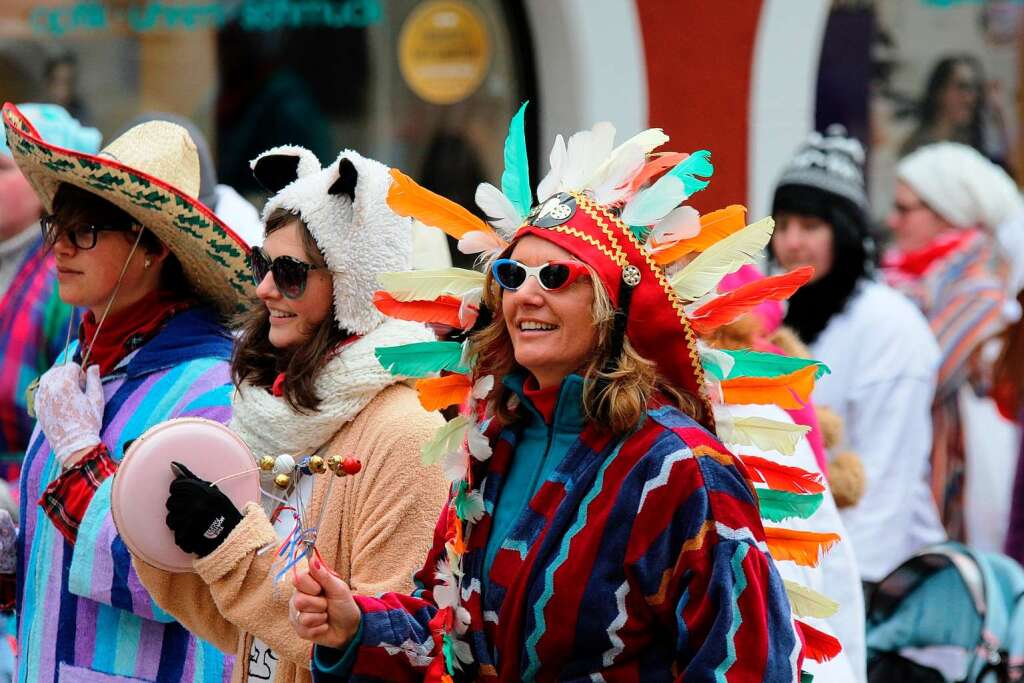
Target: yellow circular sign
x=444, y=51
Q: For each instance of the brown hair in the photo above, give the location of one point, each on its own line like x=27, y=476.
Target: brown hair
x=259, y=362
x=73, y=205
x=617, y=399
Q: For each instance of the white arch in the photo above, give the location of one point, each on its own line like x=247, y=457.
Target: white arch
x=590, y=66
x=782, y=91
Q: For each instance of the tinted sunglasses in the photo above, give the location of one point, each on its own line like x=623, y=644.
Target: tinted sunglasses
x=82, y=236
x=552, y=276
x=290, y=274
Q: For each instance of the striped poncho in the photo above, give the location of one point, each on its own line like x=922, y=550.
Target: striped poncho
x=638, y=559
x=83, y=615
x=33, y=331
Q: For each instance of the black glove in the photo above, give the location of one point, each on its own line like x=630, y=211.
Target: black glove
x=200, y=515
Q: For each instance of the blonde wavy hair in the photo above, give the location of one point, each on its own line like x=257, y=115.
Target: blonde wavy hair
x=617, y=399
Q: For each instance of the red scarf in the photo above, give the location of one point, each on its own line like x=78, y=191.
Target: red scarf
x=916, y=263
x=127, y=330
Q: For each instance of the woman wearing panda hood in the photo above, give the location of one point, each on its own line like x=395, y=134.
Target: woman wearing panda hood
x=308, y=382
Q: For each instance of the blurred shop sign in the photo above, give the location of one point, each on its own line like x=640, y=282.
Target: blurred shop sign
x=444, y=51
x=252, y=15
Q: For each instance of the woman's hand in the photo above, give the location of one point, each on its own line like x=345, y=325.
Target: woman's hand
x=199, y=513
x=322, y=609
x=69, y=408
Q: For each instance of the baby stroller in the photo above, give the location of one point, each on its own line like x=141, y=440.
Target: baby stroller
x=948, y=614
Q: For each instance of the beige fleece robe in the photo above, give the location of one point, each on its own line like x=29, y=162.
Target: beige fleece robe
x=377, y=529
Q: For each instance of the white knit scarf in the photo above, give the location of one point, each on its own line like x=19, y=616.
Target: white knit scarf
x=349, y=381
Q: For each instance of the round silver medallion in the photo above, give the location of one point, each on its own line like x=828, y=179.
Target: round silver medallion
x=631, y=275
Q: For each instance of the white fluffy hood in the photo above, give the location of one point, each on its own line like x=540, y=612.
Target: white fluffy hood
x=345, y=207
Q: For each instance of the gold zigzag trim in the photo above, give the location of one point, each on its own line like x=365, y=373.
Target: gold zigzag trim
x=600, y=216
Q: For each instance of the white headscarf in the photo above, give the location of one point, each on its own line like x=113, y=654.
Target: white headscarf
x=961, y=185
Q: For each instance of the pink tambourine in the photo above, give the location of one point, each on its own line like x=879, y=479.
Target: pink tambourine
x=138, y=500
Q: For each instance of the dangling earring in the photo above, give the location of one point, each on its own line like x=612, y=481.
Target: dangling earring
x=149, y=261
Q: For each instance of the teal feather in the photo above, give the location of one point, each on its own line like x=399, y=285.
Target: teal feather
x=515, y=181
x=755, y=364
x=651, y=205
x=421, y=359
x=776, y=506
x=697, y=164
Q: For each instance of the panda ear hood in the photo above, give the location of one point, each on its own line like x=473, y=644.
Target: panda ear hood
x=348, y=176
x=279, y=167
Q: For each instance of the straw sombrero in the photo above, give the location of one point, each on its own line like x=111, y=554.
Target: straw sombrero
x=152, y=173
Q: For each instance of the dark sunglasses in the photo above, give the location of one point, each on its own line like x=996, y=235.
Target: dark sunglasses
x=552, y=276
x=290, y=274
x=81, y=236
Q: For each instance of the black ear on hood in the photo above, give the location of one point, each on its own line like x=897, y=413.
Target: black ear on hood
x=275, y=171
x=348, y=176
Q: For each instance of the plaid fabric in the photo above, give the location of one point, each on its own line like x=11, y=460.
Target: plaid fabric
x=33, y=329
x=67, y=497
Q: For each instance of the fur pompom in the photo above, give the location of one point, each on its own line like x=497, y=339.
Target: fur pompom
x=846, y=478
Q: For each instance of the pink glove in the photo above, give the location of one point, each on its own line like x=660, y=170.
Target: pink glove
x=70, y=416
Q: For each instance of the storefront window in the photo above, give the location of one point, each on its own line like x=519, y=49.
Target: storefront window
x=425, y=86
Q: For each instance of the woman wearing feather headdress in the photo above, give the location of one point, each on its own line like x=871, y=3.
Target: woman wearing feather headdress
x=308, y=383
x=596, y=526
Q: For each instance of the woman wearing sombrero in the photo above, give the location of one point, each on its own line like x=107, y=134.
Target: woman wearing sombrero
x=156, y=273
x=597, y=528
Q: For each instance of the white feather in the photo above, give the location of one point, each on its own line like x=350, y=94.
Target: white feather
x=477, y=241
x=647, y=140
x=549, y=185
x=608, y=185
x=585, y=152
x=680, y=224
x=497, y=207
x=720, y=259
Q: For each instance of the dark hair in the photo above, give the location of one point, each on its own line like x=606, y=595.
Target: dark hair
x=259, y=362
x=815, y=303
x=939, y=78
x=73, y=205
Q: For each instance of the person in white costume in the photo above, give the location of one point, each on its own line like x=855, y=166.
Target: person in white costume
x=878, y=345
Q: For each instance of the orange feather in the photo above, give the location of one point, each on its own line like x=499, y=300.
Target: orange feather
x=782, y=477
x=731, y=305
x=818, y=646
x=444, y=310
x=802, y=547
x=440, y=392
x=787, y=391
x=657, y=163
x=407, y=198
x=713, y=227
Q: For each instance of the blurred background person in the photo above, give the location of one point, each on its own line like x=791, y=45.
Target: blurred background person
x=878, y=346
x=34, y=321
x=949, y=202
x=959, y=105
x=61, y=83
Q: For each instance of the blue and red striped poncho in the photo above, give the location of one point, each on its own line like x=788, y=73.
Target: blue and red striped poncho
x=638, y=559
